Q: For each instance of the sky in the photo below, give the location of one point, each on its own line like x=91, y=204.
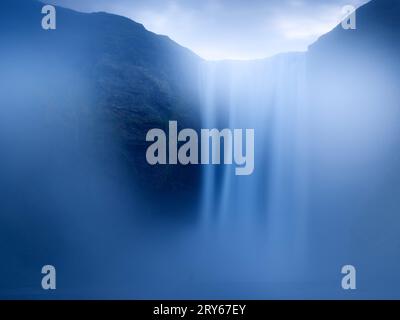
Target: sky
x=229, y=29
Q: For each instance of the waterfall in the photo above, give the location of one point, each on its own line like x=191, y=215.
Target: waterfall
x=267, y=208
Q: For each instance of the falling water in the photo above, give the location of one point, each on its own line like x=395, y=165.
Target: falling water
x=266, y=210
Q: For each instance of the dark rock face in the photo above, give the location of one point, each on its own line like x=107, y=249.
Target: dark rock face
x=353, y=78
x=76, y=104
x=111, y=80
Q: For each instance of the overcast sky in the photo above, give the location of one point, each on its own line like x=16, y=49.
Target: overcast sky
x=229, y=29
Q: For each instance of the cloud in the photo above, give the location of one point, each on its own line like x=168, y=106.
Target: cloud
x=235, y=29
